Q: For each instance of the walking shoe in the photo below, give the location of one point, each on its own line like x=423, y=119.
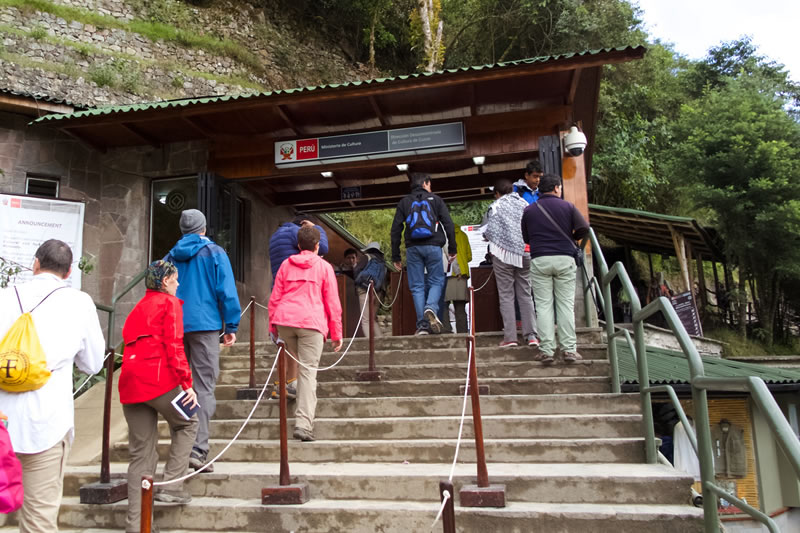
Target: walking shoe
x=533, y=342
x=197, y=460
x=430, y=316
x=166, y=496
x=291, y=390
x=571, y=357
x=547, y=359
x=422, y=331
x=508, y=344
x=303, y=435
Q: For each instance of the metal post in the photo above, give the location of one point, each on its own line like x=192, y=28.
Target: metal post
x=704, y=449
x=651, y=454
x=448, y=514
x=252, y=342
x=371, y=309
x=483, y=475
x=105, y=468
x=146, y=519
x=284, y=473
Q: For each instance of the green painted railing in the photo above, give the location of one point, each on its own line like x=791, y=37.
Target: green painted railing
x=112, y=309
x=700, y=384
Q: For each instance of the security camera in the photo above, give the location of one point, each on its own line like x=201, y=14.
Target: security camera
x=574, y=141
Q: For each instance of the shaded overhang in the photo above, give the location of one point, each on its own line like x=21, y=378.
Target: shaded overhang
x=653, y=232
x=504, y=108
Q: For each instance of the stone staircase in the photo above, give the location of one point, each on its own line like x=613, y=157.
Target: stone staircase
x=568, y=451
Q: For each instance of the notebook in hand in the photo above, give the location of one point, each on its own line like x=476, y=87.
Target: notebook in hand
x=186, y=411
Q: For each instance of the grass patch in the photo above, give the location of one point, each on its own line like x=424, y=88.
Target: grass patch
x=152, y=30
x=739, y=347
x=38, y=33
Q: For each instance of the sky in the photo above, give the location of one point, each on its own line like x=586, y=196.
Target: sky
x=694, y=26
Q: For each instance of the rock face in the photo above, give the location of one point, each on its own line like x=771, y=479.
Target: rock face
x=104, y=52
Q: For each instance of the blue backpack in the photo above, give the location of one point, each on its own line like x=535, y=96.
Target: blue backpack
x=375, y=271
x=420, y=220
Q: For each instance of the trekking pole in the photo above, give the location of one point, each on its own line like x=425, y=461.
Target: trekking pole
x=252, y=342
x=146, y=518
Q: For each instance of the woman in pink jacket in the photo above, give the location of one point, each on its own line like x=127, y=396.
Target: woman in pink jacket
x=303, y=308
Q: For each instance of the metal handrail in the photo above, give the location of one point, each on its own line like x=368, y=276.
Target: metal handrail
x=112, y=309
x=700, y=384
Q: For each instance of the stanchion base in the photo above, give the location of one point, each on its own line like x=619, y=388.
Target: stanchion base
x=294, y=494
x=113, y=491
x=475, y=496
x=369, y=375
x=483, y=390
x=247, y=394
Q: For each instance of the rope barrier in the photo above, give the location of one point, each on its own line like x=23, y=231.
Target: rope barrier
x=491, y=274
x=360, y=318
x=90, y=377
x=240, y=316
x=225, y=449
x=396, y=293
x=460, y=432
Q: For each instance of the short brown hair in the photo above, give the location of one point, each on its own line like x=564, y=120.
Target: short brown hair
x=307, y=238
x=54, y=256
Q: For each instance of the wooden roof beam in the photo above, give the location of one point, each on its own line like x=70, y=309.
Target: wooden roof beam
x=284, y=114
x=377, y=110
x=197, y=126
x=573, y=86
x=84, y=140
x=133, y=128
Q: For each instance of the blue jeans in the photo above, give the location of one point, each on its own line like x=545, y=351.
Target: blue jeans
x=426, y=288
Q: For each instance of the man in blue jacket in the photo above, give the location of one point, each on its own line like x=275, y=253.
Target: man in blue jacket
x=210, y=305
x=528, y=188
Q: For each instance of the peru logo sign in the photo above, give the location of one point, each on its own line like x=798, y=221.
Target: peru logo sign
x=300, y=150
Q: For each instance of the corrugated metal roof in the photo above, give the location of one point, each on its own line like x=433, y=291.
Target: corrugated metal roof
x=635, y=212
x=668, y=367
x=42, y=97
x=217, y=99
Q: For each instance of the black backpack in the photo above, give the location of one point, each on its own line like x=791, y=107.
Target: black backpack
x=421, y=221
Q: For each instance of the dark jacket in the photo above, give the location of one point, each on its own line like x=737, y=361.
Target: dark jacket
x=283, y=244
x=154, y=362
x=539, y=233
x=206, y=285
x=444, y=225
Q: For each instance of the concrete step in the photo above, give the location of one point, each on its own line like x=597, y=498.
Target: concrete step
x=496, y=426
x=438, y=371
x=413, y=357
x=445, y=405
x=447, y=387
x=414, y=343
x=359, y=516
x=610, y=450
x=544, y=482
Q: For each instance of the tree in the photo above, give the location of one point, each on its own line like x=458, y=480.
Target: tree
x=736, y=151
x=427, y=28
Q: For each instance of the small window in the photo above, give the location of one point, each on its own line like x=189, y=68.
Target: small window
x=46, y=187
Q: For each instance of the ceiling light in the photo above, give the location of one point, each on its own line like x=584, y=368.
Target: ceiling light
x=327, y=174
x=402, y=167
x=479, y=159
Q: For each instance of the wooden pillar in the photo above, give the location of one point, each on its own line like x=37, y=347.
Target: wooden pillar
x=680, y=252
x=689, y=266
x=701, y=281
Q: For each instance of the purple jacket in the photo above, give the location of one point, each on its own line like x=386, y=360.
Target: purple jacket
x=539, y=233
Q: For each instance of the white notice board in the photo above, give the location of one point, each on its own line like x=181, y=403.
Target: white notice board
x=26, y=222
x=478, y=245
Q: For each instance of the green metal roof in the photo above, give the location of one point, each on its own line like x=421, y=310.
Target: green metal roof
x=186, y=102
x=669, y=367
x=635, y=212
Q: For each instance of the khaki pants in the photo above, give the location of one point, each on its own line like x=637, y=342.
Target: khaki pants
x=43, y=481
x=554, y=275
x=142, y=421
x=365, y=322
x=306, y=345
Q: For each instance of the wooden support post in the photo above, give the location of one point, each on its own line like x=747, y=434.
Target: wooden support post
x=251, y=392
x=372, y=373
x=146, y=519
x=285, y=493
x=680, y=252
x=701, y=282
x=448, y=514
x=107, y=490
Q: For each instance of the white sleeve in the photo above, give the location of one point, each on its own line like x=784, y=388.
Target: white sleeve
x=89, y=358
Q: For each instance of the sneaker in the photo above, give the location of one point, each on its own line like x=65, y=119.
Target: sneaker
x=291, y=390
x=533, y=342
x=422, y=331
x=197, y=460
x=547, y=359
x=430, y=316
x=303, y=435
x=508, y=344
x=165, y=496
x=571, y=357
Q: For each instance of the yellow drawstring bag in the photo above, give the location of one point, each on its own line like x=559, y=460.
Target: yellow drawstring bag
x=23, y=364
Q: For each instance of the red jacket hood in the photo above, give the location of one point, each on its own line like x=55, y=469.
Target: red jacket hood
x=305, y=259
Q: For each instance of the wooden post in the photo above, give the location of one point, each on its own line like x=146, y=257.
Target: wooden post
x=252, y=342
x=483, y=494
x=680, y=252
x=146, y=519
x=284, y=436
x=284, y=493
x=371, y=374
x=701, y=281
x=106, y=490
x=448, y=514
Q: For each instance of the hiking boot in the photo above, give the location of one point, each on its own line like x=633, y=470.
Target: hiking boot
x=571, y=357
x=197, y=460
x=422, y=331
x=168, y=496
x=430, y=316
x=303, y=435
x=508, y=344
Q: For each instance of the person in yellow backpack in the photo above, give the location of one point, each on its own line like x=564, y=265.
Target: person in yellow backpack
x=41, y=421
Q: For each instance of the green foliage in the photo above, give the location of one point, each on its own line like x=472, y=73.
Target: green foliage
x=117, y=73
x=86, y=265
x=8, y=272
x=38, y=33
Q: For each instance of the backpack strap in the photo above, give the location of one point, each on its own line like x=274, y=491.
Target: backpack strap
x=19, y=301
x=42, y=300
x=555, y=225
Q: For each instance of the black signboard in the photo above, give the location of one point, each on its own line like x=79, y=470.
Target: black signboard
x=350, y=145
x=687, y=313
x=350, y=193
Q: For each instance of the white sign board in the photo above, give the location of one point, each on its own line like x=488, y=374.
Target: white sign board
x=476, y=243
x=26, y=222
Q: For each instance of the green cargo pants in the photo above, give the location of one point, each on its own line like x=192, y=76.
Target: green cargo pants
x=554, y=276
